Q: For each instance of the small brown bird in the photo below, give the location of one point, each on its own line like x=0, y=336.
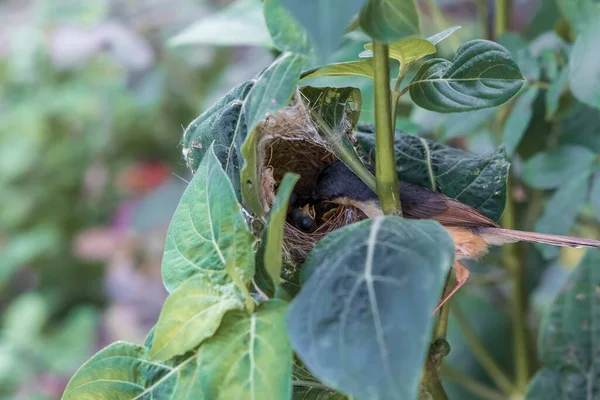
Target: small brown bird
x=471, y=231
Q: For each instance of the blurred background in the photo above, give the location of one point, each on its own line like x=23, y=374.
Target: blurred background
x=94, y=97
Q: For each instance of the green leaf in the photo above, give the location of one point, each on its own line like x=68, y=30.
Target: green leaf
x=250, y=356
x=122, y=372
x=232, y=121
x=275, y=227
x=584, y=65
x=548, y=170
x=390, y=20
x=208, y=233
x=269, y=254
x=362, y=319
x=406, y=50
x=519, y=120
x=350, y=68
x=569, y=339
x=438, y=37
x=239, y=24
x=562, y=209
x=192, y=313
x=557, y=87
x=217, y=125
x=324, y=21
x=286, y=32
x=478, y=181
x=271, y=92
x=483, y=74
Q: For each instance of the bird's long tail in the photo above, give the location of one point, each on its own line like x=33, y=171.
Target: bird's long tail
x=498, y=236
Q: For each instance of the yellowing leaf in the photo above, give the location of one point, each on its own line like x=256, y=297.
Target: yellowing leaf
x=406, y=50
x=351, y=68
x=192, y=313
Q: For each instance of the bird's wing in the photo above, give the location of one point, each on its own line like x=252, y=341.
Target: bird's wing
x=421, y=203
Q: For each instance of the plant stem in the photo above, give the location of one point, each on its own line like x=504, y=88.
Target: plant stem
x=481, y=354
x=396, y=94
x=442, y=321
x=385, y=164
x=478, y=389
x=502, y=15
x=517, y=300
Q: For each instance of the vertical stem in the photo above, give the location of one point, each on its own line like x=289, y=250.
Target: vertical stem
x=385, y=163
x=442, y=321
x=484, y=358
x=502, y=15
x=517, y=300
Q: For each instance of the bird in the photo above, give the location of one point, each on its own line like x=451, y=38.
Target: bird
x=471, y=231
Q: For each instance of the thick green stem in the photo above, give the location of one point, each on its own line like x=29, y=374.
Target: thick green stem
x=517, y=301
x=502, y=16
x=481, y=354
x=385, y=163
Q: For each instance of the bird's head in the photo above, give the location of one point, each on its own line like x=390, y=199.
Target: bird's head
x=337, y=181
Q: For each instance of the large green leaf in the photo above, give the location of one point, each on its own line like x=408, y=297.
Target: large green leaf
x=121, y=371
x=569, y=340
x=287, y=34
x=361, y=321
x=192, y=313
x=562, y=209
x=478, y=181
x=483, y=74
x=390, y=20
x=239, y=24
x=250, y=356
x=232, y=121
x=216, y=125
x=584, y=65
x=349, y=68
x=324, y=21
x=548, y=170
x=208, y=234
x=519, y=120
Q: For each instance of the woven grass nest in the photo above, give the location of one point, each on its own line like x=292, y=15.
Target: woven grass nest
x=289, y=141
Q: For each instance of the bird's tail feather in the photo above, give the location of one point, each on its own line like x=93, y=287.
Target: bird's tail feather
x=498, y=236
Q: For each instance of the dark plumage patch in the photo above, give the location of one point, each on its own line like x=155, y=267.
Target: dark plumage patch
x=337, y=181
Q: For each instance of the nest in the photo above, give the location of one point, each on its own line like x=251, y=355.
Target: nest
x=289, y=141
